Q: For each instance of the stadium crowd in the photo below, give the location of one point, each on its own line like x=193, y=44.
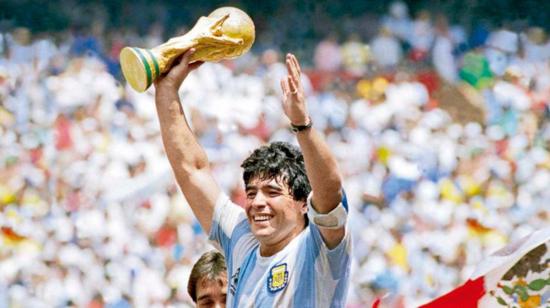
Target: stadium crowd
x=442, y=135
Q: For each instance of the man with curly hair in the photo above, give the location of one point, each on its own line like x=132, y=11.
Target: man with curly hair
x=289, y=246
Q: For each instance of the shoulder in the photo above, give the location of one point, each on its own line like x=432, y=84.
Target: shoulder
x=226, y=210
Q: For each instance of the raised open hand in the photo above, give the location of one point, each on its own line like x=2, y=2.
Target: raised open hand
x=294, y=101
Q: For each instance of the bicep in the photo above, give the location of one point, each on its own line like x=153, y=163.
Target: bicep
x=201, y=192
x=334, y=259
x=329, y=201
x=332, y=237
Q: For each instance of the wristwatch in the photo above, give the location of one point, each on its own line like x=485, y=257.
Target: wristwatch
x=299, y=128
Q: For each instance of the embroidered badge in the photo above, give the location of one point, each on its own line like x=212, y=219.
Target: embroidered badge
x=234, y=282
x=278, y=278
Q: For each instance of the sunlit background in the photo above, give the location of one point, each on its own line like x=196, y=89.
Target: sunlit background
x=436, y=110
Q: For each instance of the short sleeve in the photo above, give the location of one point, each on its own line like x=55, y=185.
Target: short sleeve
x=230, y=231
x=337, y=259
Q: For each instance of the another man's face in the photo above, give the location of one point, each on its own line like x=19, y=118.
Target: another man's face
x=212, y=293
x=272, y=212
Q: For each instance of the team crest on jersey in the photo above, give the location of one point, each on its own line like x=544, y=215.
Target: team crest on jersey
x=278, y=278
x=234, y=281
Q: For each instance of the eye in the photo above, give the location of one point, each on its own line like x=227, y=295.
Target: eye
x=250, y=195
x=274, y=193
x=206, y=303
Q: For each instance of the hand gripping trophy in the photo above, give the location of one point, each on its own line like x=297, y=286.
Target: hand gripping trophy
x=225, y=34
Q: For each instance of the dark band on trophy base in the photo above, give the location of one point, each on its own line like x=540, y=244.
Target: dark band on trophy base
x=146, y=65
x=155, y=63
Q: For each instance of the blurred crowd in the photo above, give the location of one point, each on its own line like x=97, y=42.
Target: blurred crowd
x=442, y=135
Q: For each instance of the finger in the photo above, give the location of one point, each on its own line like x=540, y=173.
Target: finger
x=194, y=66
x=284, y=86
x=187, y=55
x=292, y=86
x=291, y=67
x=180, y=65
x=296, y=63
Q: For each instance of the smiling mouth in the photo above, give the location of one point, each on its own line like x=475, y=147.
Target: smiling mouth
x=261, y=218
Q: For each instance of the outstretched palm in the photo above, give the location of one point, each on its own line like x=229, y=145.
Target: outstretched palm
x=294, y=104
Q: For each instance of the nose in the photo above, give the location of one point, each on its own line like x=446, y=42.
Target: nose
x=259, y=200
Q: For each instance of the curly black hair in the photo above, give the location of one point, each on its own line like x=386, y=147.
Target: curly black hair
x=279, y=159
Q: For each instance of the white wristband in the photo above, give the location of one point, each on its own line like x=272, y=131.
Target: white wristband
x=335, y=219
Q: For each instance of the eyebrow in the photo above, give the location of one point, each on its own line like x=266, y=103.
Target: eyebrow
x=205, y=296
x=270, y=186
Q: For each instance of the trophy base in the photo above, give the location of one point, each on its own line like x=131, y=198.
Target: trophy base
x=139, y=67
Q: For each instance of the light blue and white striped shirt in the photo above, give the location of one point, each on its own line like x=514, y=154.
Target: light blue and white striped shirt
x=304, y=274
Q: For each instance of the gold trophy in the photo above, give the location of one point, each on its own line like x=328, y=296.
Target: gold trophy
x=225, y=34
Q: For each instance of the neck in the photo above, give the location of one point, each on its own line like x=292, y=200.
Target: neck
x=268, y=250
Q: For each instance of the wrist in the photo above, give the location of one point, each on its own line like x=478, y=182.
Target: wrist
x=298, y=127
x=300, y=122
x=166, y=91
x=166, y=88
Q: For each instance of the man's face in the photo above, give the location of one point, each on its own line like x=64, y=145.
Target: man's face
x=273, y=214
x=212, y=293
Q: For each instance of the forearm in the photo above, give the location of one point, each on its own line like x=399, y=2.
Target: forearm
x=322, y=170
x=187, y=158
x=183, y=151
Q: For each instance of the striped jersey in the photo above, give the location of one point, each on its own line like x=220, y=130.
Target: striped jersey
x=304, y=274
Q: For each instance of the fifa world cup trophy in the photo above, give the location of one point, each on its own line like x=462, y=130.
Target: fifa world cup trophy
x=224, y=34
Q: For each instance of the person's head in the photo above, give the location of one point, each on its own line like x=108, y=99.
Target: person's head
x=207, y=284
x=276, y=188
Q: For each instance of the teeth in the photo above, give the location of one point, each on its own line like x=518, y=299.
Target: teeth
x=261, y=218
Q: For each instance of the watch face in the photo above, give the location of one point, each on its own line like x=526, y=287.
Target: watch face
x=326, y=221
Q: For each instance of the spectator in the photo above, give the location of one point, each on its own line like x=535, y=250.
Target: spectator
x=207, y=284
x=501, y=44
x=422, y=36
x=355, y=56
x=443, y=58
x=398, y=22
x=386, y=50
x=327, y=56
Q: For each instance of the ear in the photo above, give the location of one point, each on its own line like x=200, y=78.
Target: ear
x=303, y=207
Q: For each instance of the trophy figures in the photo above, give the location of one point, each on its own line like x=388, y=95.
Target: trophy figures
x=225, y=34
